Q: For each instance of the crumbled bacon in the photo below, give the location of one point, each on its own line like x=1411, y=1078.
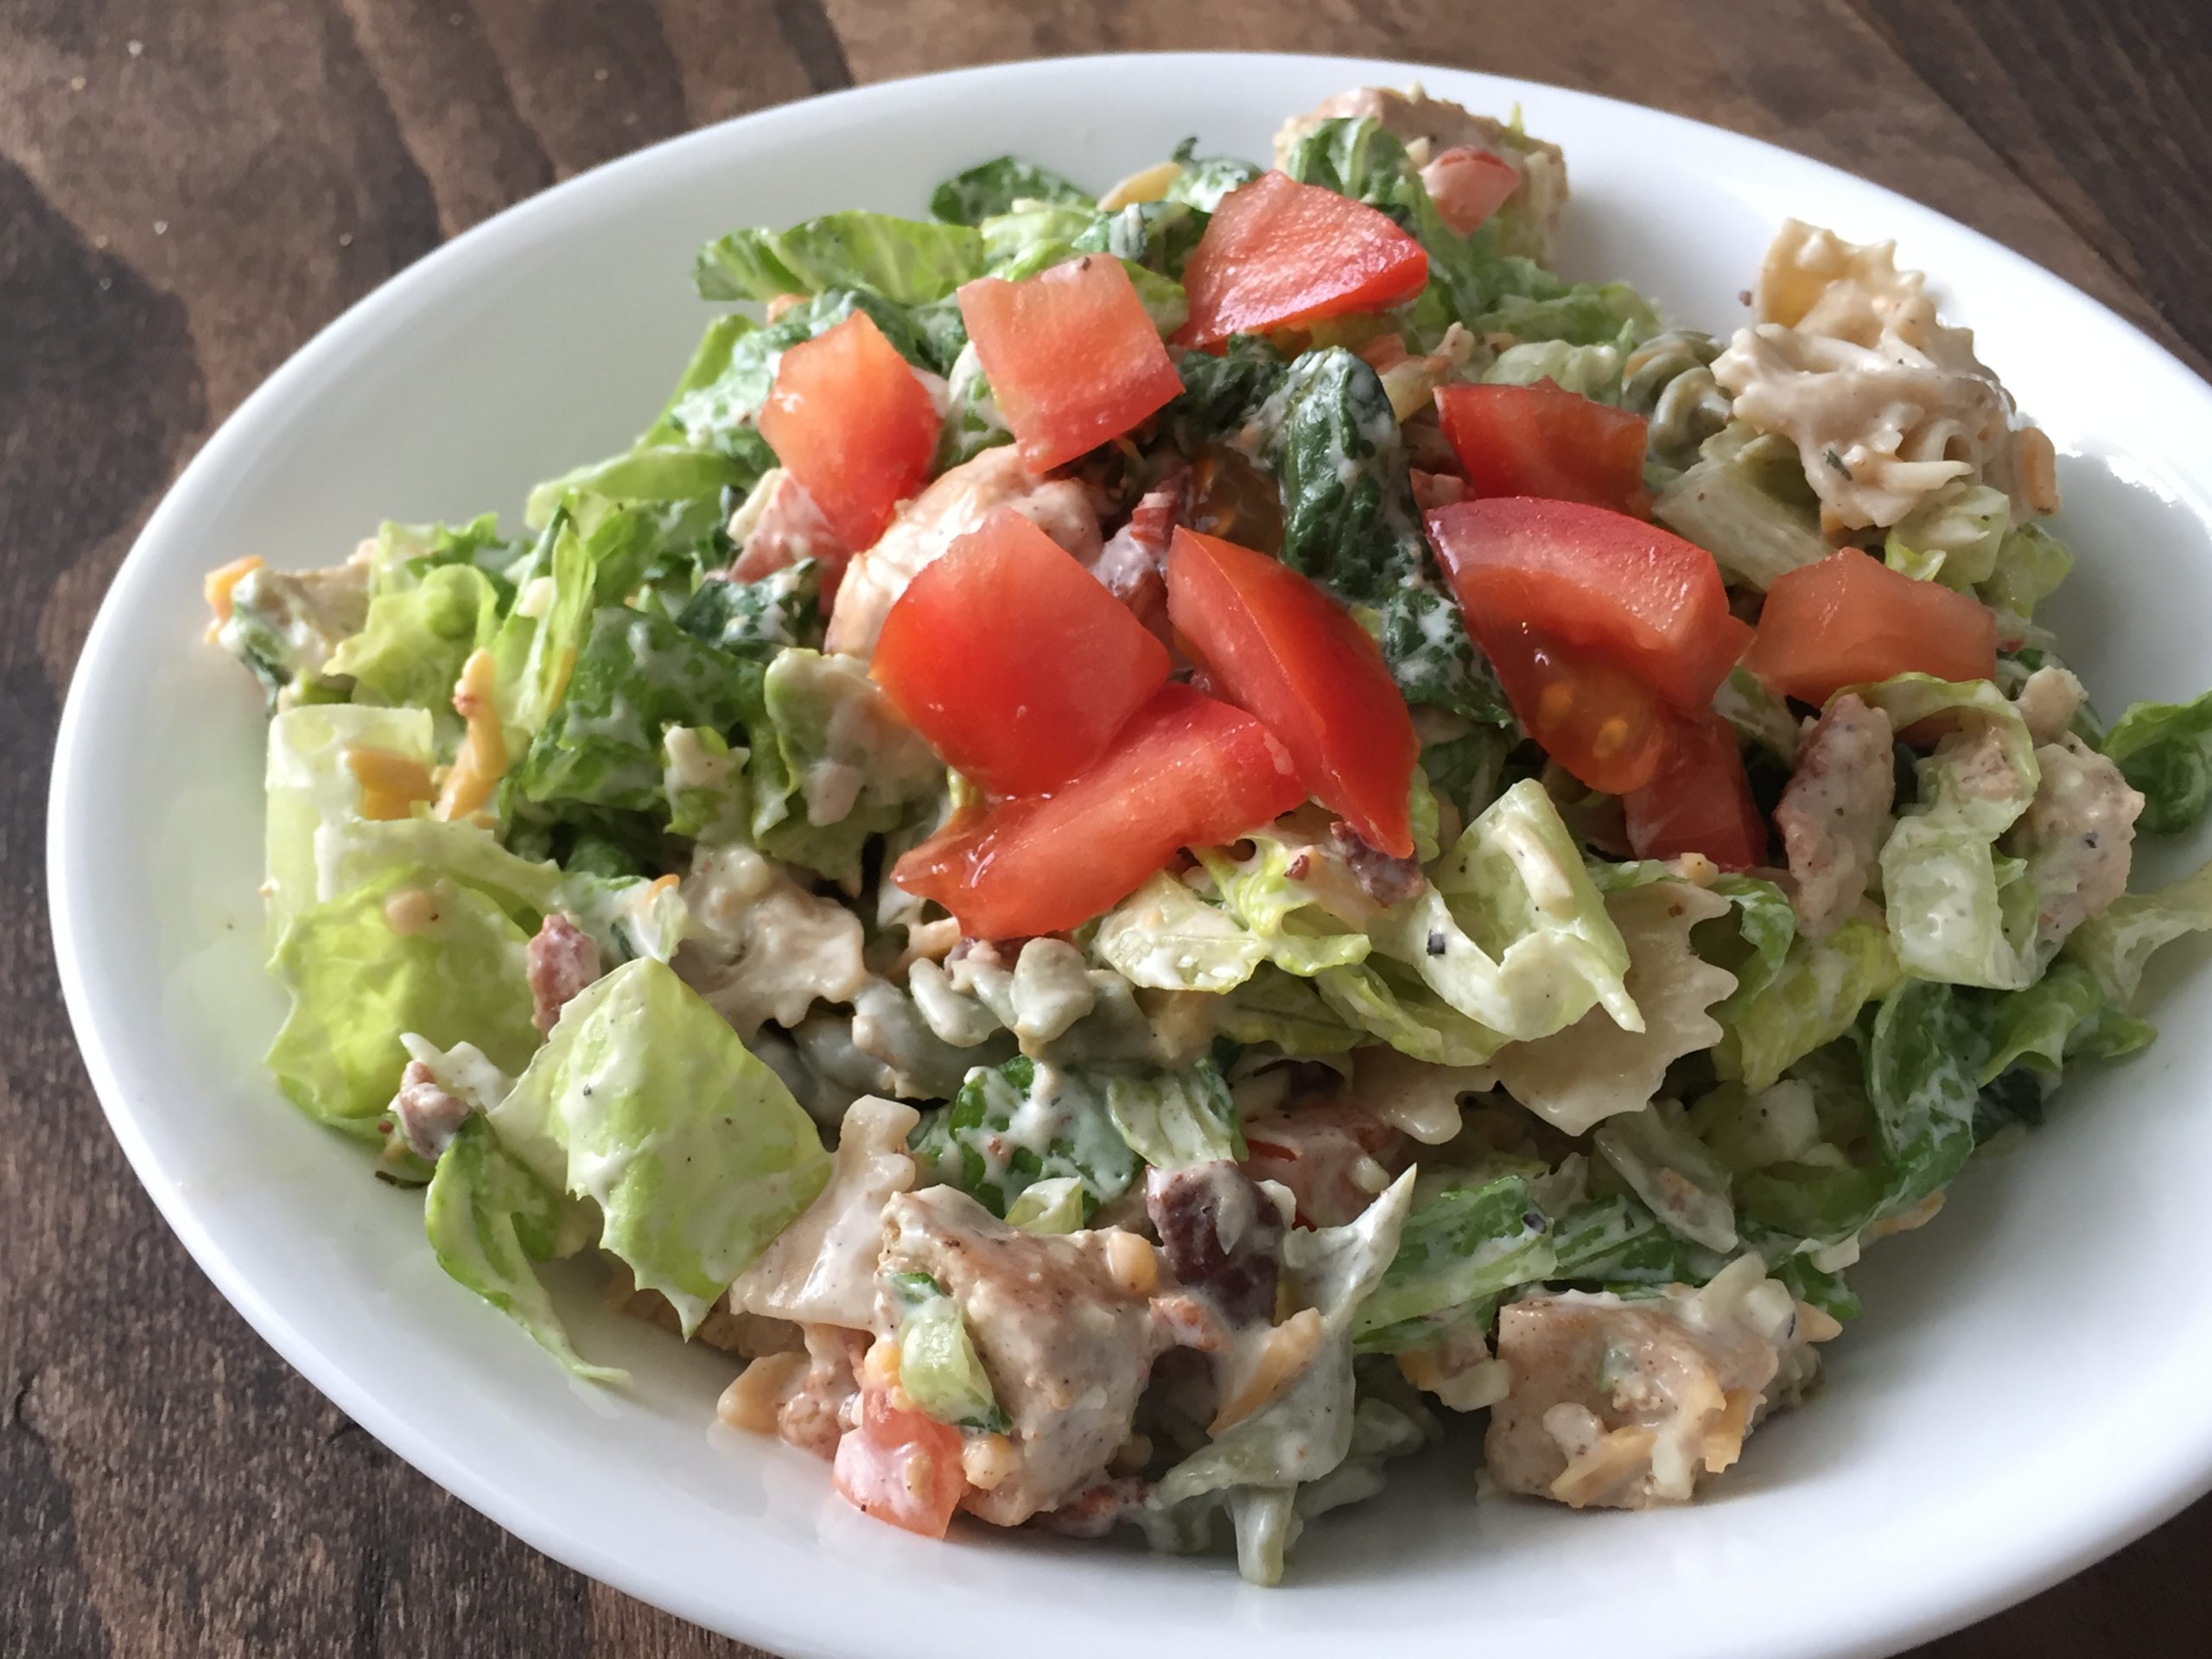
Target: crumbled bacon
x=562, y=960
x=1385, y=880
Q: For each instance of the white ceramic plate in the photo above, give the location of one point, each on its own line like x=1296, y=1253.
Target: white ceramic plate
x=2025, y=1393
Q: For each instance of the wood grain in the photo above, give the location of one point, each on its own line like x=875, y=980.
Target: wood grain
x=188, y=192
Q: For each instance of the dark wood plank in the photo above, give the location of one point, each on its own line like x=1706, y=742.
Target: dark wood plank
x=188, y=192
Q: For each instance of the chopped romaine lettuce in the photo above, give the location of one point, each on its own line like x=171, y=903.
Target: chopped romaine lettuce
x=995, y=187
x=907, y=261
x=2165, y=750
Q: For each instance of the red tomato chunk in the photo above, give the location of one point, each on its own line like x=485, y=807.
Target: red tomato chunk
x=1283, y=650
x=1012, y=659
x=1277, y=253
x=1850, y=618
x=1186, y=771
x=1541, y=441
x=900, y=1466
x=1698, y=800
x=849, y=420
x=1070, y=356
x=1468, y=185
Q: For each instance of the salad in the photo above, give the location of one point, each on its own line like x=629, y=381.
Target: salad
x=1149, y=846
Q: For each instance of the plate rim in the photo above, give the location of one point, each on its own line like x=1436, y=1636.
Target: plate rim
x=2094, y=1530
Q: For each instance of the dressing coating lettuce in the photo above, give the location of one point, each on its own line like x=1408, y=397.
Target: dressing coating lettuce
x=644, y=1101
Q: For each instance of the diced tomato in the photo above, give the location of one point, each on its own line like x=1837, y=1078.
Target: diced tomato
x=1012, y=659
x=1186, y=771
x=1277, y=252
x=1849, y=618
x=1468, y=185
x=1600, y=721
x=850, y=422
x=900, y=1466
x=1698, y=800
x=1317, y=1150
x=789, y=528
x=1541, y=441
x=1597, y=582
x=1280, y=649
x=1071, y=355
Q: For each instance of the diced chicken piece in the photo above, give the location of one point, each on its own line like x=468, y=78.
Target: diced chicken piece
x=1426, y=126
x=2048, y=701
x=765, y=948
x=820, y=1269
x=1833, y=814
x=1065, y=1333
x=955, y=504
x=2078, y=835
x=1222, y=1235
x=1628, y=1404
x=562, y=960
x=777, y=525
x=427, y=1116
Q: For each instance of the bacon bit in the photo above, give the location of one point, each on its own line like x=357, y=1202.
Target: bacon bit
x=1724, y=1440
x=1385, y=880
x=561, y=961
x=390, y=783
x=217, y=585
x=1382, y=351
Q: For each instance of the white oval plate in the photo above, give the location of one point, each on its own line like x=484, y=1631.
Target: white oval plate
x=2025, y=1394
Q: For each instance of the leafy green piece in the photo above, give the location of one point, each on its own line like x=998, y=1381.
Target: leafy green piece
x=1924, y=1062
x=1958, y=911
x=411, y=650
x=2164, y=749
x=411, y=951
x=688, y=485
x=973, y=420
x=1288, y=919
x=1952, y=536
x=1811, y=998
x=489, y=1219
x=1755, y=518
x=637, y=677
x=404, y=554
x=2030, y=564
x=703, y=780
x=1015, y=1124
x=645, y=1101
x=1223, y=393
x=285, y=624
x=755, y=619
x=833, y=764
x=1594, y=371
x=1273, y=1006
x=1175, y=1119
x=907, y=261
x=1672, y=1170
x=1165, y=937
x=309, y=783
x=1205, y=179
x=1465, y=1242
x=1053, y=1205
x=993, y=186
x=2117, y=946
x=2064, y=1015
x=938, y=1366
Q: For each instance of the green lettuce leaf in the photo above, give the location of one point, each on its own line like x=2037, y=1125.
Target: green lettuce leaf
x=2030, y=564
x=645, y=1101
x=489, y=1219
x=993, y=186
x=1273, y=1006
x=907, y=261
x=410, y=651
x=1465, y=1242
x=1165, y=937
x=1175, y=1119
x=308, y=785
x=1924, y=1061
x=1810, y=999
x=939, y=1365
x=1014, y=1125
x=452, y=971
x=1665, y=1163
x=2117, y=946
x=2164, y=749
x=1205, y=179
x=2066, y=1015
x=755, y=619
x=1286, y=917
x=715, y=405
x=638, y=676
x=1745, y=502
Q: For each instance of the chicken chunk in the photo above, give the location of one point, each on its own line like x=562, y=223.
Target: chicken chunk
x=2078, y=835
x=1833, y=814
x=1427, y=125
x=428, y=1116
x=1629, y=1404
x=820, y=1269
x=1067, y=1341
x=955, y=504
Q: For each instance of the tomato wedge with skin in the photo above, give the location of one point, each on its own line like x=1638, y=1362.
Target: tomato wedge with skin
x=1013, y=660
x=1276, y=645
x=900, y=1466
x=1188, y=771
x=1071, y=355
x=1544, y=440
x=1468, y=185
x=1850, y=618
x=1601, y=722
x=849, y=420
x=1698, y=800
x=1599, y=583
x=1277, y=252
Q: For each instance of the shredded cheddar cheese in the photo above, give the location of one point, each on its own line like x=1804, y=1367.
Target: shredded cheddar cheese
x=1290, y=1348
x=1146, y=184
x=390, y=783
x=482, y=761
x=219, y=584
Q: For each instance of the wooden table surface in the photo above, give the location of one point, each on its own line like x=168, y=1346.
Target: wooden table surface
x=189, y=188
